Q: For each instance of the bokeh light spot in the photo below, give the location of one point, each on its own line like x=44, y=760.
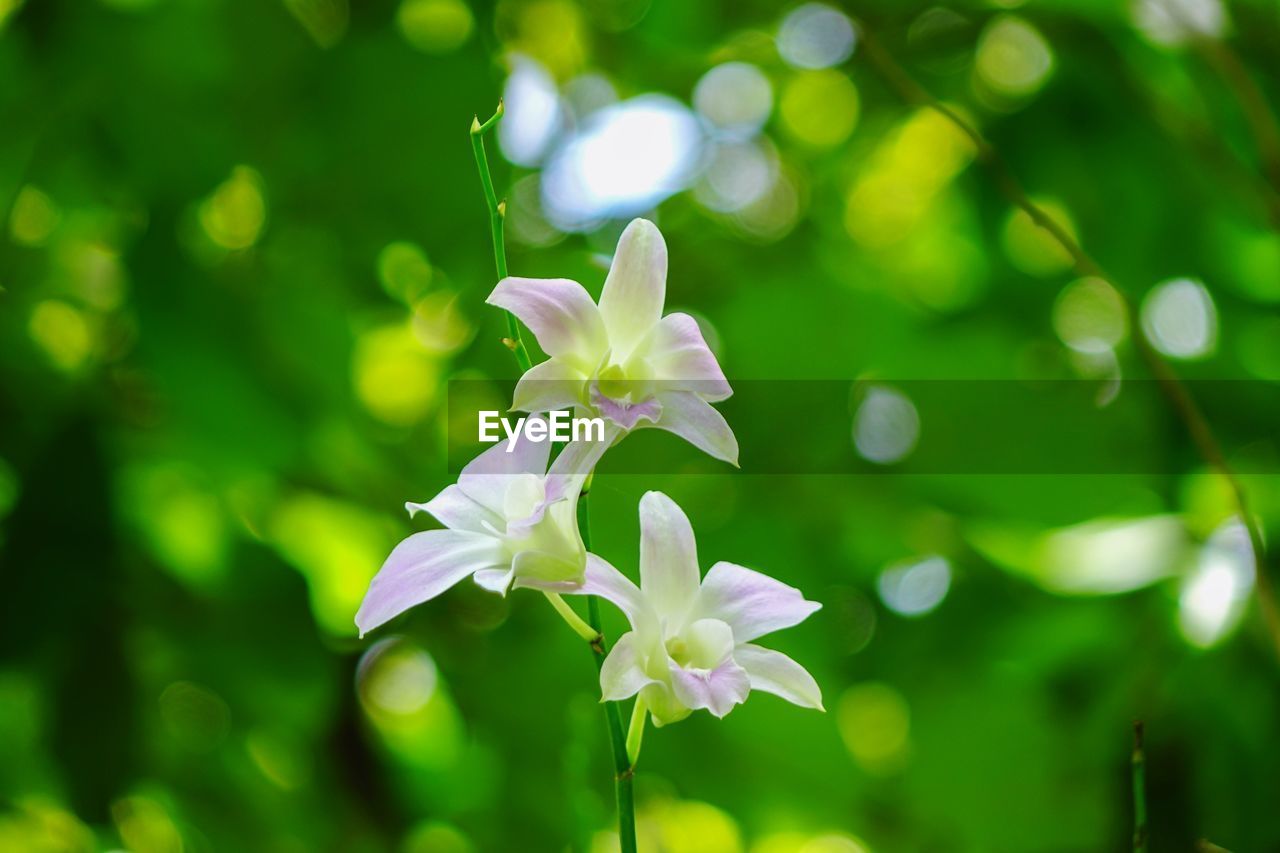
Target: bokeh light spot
x=1214, y=594
x=438, y=323
x=1090, y=316
x=194, y=716
x=401, y=692
x=1031, y=248
x=401, y=679
x=815, y=36
x=63, y=332
x=436, y=837
x=1013, y=59
x=735, y=98
x=1175, y=22
x=181, y=523
x=435, y=26
x=394, y=376
x=532, y=112
x=34, y=215
x=820, y=108
x=624, y=160
x=233, y=217
x=37, y=824
x=1180, y=320
x=404, y=271
x=738, y=174
x=145, y=824
x=886, y=425
x=551, y=31
x=875, y=725
x=915, y=588
x=337, y=547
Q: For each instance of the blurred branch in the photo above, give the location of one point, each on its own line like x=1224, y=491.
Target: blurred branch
x=1257, y=112
x=1180, y=399
x=497, y=218
x=1139, y=791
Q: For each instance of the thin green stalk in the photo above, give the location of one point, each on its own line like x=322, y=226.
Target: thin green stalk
x=624, y=772
x=497, y=219
x=572, y=619
x=589, y=631
x=1139, y=791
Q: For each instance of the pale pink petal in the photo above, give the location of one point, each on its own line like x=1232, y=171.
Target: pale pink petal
x=613, y=586
x=625, y=415
x=560, y=314
x=420, y=568
x=578, y=459
x=773, y=672
x=668, y=559
x=622, y=674
x=485, y=479
x=697, y=422
x=549, y=386
x=456, y=511
x=636, y=286
x=717, y=690
x=682, y=361
x=751, y=603
x=494, y=580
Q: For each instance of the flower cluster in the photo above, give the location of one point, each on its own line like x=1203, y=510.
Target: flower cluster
x=511, y=519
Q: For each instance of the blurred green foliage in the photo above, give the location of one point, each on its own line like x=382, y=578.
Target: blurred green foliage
x=244, y=249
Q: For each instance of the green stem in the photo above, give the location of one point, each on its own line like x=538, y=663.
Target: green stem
x=1139, y=792
x=574, y=621
x=590, y=630
x=497, y=219
x=624, y=771
x=635, y=732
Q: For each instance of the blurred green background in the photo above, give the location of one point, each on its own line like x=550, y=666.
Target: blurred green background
x=244, y=250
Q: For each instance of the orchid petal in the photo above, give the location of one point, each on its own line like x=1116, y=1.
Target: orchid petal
x=636, y=287
x=622, y=674
x=546, y=571
x=751, y=603
x=560, y=314
x=457, y=511
x=626, y=415
x=682, y=361
x=494, y=580
x=697, y=422
x=664, y=707
x=773, y=672
x=486, y=478
x=574, y=463
x=668, y=558
x=549, y=386
x=420, y=568
x=707, y=643
x=717, y=690
x=603, y=580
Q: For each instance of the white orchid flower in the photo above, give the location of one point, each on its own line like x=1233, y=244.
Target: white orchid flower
x=622, y=360
x=690, y=646
x=507, y=522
